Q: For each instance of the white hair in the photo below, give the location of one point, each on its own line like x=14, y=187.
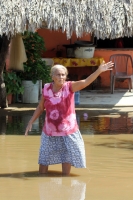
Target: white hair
x=56, y=67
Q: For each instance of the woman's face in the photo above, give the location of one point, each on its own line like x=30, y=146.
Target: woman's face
x=59, y=76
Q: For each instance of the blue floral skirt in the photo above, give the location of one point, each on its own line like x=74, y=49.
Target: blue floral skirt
x=62, y=149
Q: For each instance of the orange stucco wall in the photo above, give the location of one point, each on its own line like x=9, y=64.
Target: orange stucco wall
x=57, y=38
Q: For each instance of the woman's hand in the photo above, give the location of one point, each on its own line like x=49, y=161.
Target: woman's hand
x=28, y=128
x=39, y=110
x=106, y=66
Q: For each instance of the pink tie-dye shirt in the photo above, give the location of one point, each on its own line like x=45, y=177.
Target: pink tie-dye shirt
x=60, y=119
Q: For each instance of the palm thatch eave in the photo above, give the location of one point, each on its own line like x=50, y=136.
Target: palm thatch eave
x=104, y=18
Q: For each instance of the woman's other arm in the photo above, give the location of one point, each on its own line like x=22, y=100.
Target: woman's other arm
x=39, y=110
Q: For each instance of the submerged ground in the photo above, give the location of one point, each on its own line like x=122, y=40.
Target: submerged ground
x=108, y=137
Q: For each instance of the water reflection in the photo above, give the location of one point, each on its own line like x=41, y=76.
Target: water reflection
x=58, y=188
x=16, y=125
x=88, y=124
x=2, y=124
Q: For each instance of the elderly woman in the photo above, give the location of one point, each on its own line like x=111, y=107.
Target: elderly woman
x=61, y=140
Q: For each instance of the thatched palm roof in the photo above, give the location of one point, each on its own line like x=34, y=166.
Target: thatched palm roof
x=106, y=18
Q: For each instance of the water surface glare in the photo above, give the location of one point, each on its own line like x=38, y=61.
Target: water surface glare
x=109, y=157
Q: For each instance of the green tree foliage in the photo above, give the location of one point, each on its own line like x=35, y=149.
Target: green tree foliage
x=35, y=69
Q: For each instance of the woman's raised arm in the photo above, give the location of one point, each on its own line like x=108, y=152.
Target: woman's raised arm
x=79, y=85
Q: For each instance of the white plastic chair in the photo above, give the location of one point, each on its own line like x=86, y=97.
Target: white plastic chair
x=120, y=71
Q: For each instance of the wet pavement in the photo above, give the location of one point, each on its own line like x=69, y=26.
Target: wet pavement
x=103, y=98
x=107, y=130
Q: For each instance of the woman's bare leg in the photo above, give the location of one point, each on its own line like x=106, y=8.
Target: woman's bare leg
x=43, y=169
x=66, y=168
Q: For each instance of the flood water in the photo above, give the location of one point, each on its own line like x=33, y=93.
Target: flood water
x=108, y=141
